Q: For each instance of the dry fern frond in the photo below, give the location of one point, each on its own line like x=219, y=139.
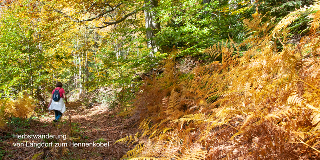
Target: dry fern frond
x=265, y=101
x=134, y=152
x=295, y=100
x=285, y=22
x=128, y=139
x=192, y=117
x=195, y=153
x=315, y=22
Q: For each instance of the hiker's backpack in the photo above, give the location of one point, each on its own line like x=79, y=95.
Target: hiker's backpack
x=56, y=95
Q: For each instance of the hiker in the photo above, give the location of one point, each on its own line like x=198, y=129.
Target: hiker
x=56, y=102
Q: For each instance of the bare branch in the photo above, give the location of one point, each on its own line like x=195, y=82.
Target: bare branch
x=90, y=19
x=118, y=21
x=101, y=15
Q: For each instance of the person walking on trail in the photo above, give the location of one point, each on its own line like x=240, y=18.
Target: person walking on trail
x=56, y=103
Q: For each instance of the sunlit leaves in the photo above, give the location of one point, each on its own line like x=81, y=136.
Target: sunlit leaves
x=195, y=25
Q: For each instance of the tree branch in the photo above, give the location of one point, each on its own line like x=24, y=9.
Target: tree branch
x=99, y=16
x=115, y=22
x=120, y=20
x=90, y=19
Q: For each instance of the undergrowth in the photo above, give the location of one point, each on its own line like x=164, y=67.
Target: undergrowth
x=22, y=107
x=262, y=105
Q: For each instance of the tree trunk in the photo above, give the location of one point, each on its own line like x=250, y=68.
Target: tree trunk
x=80, y=75
x=152, y=25
x=31, y=71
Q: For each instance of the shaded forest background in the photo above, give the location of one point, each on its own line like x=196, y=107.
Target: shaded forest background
x=203, y=79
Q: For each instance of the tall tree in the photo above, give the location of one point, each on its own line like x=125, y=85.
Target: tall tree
x=152, y=24
x=22, y=61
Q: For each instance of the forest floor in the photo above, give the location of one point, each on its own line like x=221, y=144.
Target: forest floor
x=86, y=126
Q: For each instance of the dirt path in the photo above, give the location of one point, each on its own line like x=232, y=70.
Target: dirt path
x=88, y=127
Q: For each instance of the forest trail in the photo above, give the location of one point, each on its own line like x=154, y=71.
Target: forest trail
x=97, y=124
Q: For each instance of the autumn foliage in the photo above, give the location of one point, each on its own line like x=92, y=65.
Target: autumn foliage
x=22, y=107
x=262, y=105
x=257, y=99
